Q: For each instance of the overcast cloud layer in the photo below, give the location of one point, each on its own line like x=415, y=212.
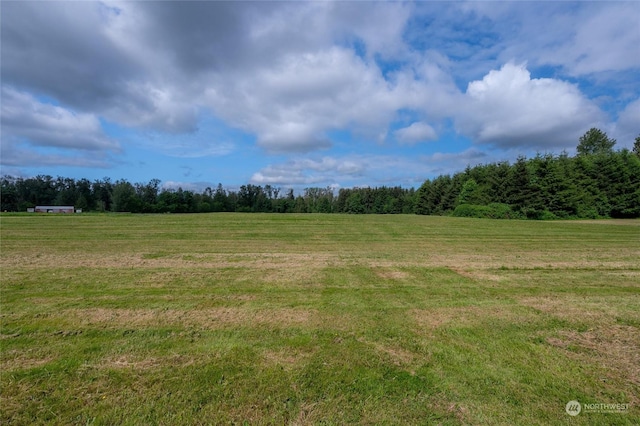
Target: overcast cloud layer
x=308, y=94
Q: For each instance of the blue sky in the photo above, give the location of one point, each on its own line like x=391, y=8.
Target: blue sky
x=302, y=94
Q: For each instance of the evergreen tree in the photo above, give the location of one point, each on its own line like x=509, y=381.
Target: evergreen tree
x=423, y=201
x=636, y=146
x=518, y=186
x=469, y=193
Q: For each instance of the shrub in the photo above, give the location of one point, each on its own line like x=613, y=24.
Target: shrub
x=503, y=211
x=547, y=215
x=492, y=211
x=471, y=210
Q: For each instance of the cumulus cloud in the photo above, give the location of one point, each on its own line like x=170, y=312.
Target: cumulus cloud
x=198, y=187
x=599, y=40
x=18, y=157
x=186, y=146
x=150, y=106
x=27, y=121
x=80, y=55
x=593, y=38
x=291, y=104
x=416, y=132
x=289, y=76
x=284, y=72
x=59, y=50
x=287, y=73
x=35, y=133
x=381, y=31
x=508, y=108
x=305, y=171
x=628, y=125
x=351, y=170
x=441, y=163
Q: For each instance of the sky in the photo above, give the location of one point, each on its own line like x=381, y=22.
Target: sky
x=308, y=94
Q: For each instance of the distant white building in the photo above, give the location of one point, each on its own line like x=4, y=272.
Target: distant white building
x=54, y=209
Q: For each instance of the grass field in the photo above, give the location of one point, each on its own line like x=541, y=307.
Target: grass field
x=317, y=319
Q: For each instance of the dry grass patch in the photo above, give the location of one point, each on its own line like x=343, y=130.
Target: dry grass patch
x=455, y=409
x=571, y=309
x=23, y=360
x=526, y=260
x=476, y=274
x=200, y=318
x=627, y=274
x=128, y=361
x=615, y=347
x=431, y=319
x=285, y=357
x=627, y=222
x=307, y=414
x=391, y=274
x=460, y=261
x=40, y=259
x=398, y=356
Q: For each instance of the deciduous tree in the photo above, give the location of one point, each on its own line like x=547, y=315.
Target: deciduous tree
x=595, y=141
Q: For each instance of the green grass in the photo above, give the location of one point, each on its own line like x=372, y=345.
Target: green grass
x=316, y=319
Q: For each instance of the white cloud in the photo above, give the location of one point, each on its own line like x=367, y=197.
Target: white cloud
x=185, y=146
x=508, y=108
x=380, y=26
x=291, y=104
x=306, y=171
x=291, y=75
x=441, y=163
x=628, y=125
x=583, y=39
x=416, y=132
x=600, y=38
x=345, y=171
x=281, y=176
x=18, y=157
x=25, y=120
x=197, y=187
x=209, y=140
x=162, y=108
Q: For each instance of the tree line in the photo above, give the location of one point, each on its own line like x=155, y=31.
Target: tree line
x=597, y=182
x=104, y=195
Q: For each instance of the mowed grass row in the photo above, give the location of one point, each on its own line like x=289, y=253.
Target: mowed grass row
x=307, y=319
